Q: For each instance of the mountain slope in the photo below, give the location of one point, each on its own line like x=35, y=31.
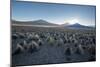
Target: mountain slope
x=36, y=22
x=78, y=26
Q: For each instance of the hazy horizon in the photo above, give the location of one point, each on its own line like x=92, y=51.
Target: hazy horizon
x=54, y=13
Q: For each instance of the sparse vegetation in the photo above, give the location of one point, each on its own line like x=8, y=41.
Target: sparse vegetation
x=72, y=42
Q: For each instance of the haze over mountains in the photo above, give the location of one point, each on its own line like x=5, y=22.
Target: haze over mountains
x=36, y=22
x=41, y=22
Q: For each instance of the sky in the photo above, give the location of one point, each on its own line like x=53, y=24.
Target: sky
x=54, y=13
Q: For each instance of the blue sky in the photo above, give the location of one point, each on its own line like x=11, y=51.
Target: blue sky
x=54, y=13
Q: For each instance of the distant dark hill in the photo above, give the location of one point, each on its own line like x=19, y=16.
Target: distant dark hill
x=78, y=26
x=36, y=22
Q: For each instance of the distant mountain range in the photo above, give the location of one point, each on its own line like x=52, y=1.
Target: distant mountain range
x=78, y=26
x=36, y=22
x=46, y=23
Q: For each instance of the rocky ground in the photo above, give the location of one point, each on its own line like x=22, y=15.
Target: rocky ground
x=52, y=45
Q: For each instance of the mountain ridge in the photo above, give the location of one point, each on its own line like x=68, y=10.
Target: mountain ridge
x=35, y=22
x=46, y=23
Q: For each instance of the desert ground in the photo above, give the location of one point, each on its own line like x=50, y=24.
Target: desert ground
x=51, y=45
